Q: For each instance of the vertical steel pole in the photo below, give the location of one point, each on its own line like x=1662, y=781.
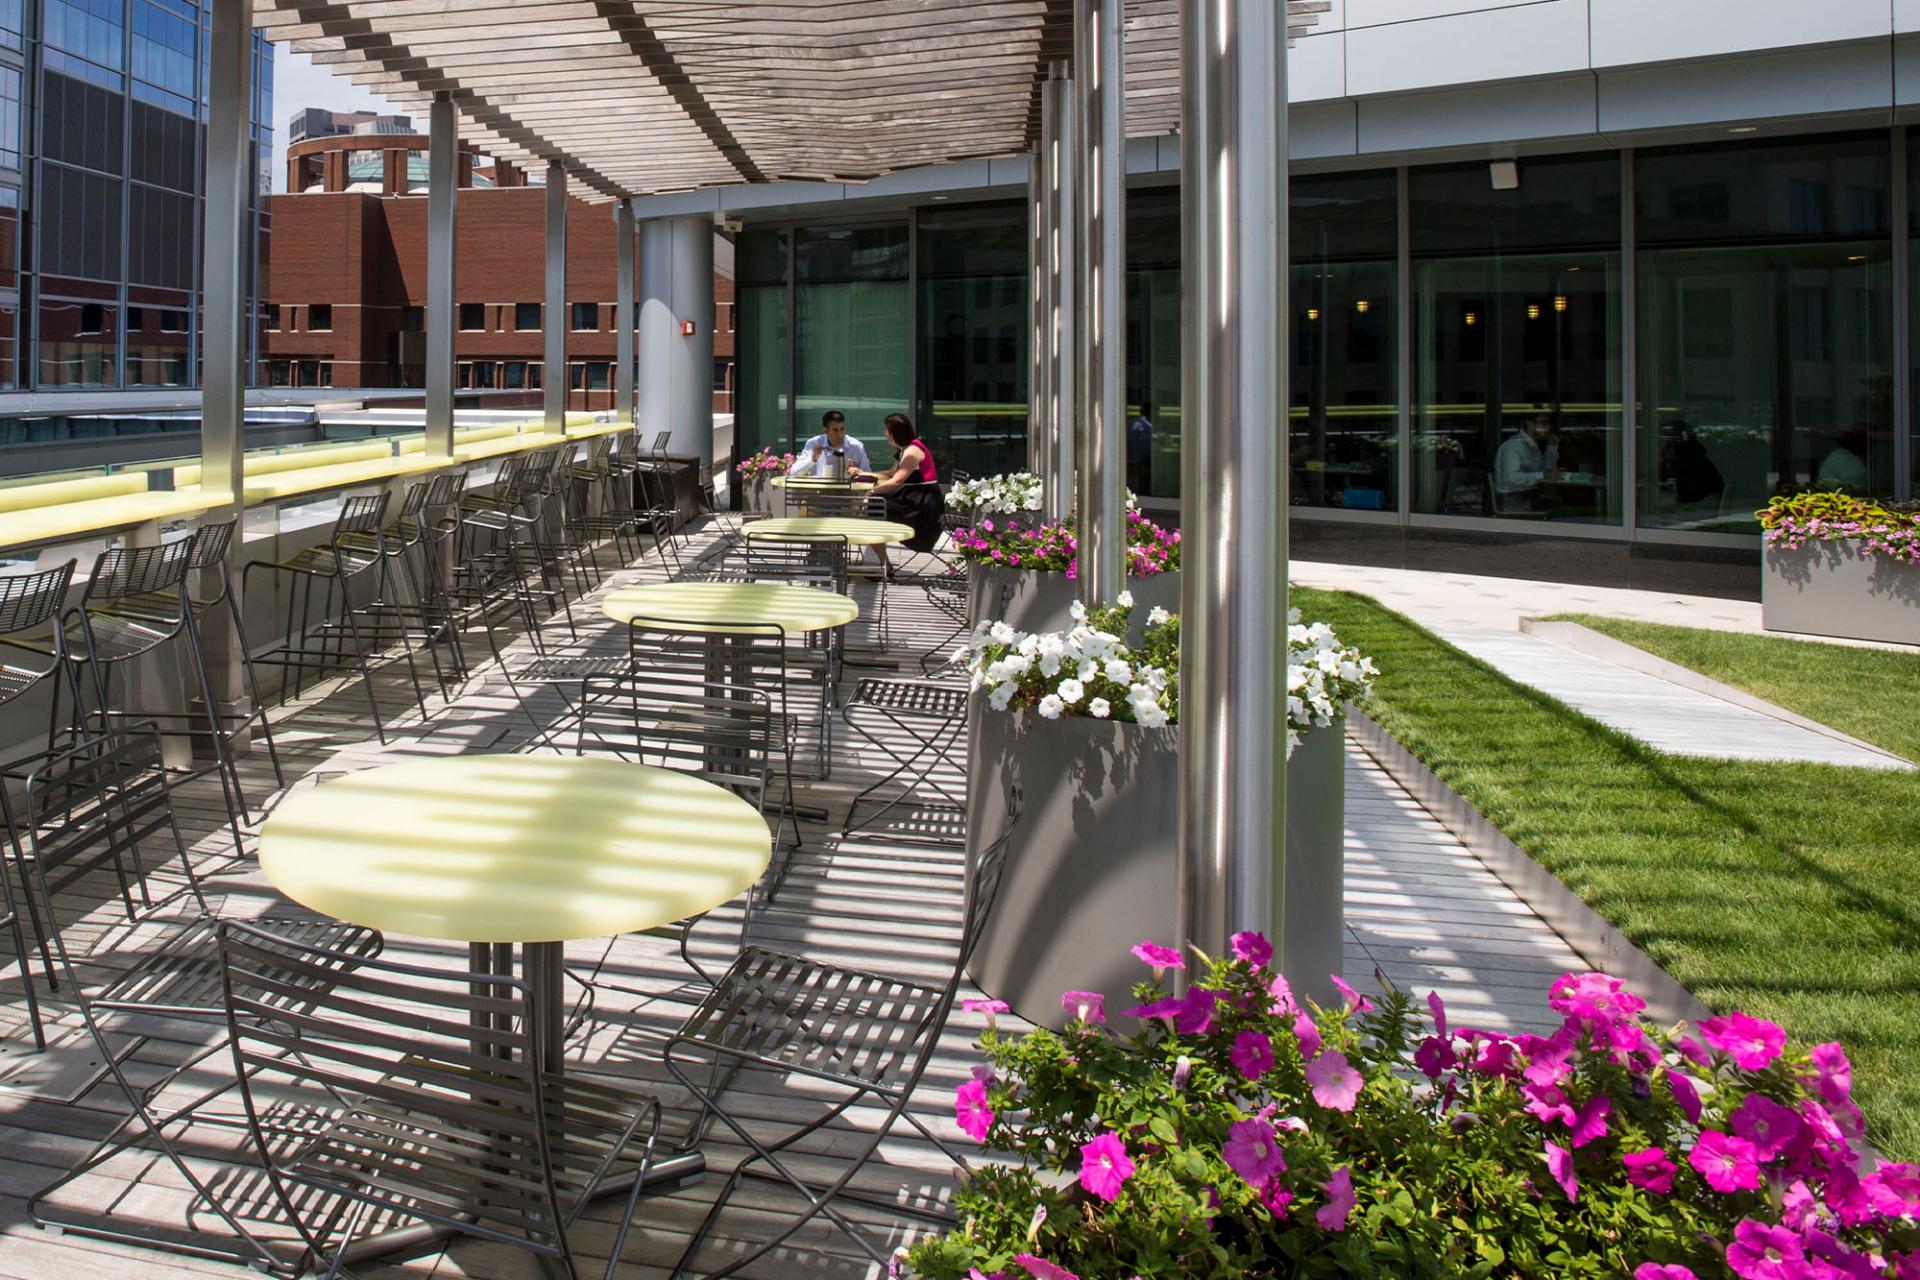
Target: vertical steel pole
x=1233, y=683
x=1903, y=427
x=1039, y=400
x=1101, y=348
x=443, y=146
x=555, y=377
x=1060, y=147
x=229, y=157
x=623, y=302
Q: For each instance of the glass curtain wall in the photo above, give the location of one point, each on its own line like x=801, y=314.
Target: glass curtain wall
x=1517, y=404
x=1153, y=342
x=762, y=404
x=972, y=283
x=1344, y=425
x=1765, y=326
x=851, y=344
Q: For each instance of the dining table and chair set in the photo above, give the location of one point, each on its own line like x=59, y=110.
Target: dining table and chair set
x=396, y=1049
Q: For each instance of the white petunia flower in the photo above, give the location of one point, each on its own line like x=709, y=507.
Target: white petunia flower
x=1051, y=707
x=1003, y=634
x=1118, y=671
x=1150, y=715
x=1158, y=617
x=1099, y=708
x=1125, y=600
x=1077, y=611
x=1071, y=691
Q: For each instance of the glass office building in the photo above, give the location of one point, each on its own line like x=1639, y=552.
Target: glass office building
x=103, y=107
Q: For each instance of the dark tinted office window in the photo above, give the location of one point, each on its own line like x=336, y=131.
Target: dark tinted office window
x=599, y=376
x=721, y=370
x=9, y=118
x=1765, y=326
x=273, y=315
x=81, y=124
x=413, y=319
x=762, y=403
x=162, y=227
x=851, y=321
x=162, y=147
x=173, y=321
x=974, y=325
x=77, y=344
x=163, y=45
x=79, y=223
x=586, y=316
x=320, y=317
x=473, y=315
x=516, y=374
x=526, y=315
x=1153, y=342
x=577, y=376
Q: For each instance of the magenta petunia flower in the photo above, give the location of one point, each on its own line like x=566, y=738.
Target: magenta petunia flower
x=1040, y=1269
x=1591, y=1122
x=1832, y=1073
x=1253, y=948
x=1894, y=1190
x=1685, y=1095
x=1547, y=1103
x=1336, y=1085
x=1433, y=1057
x=1165, y=1007
x=1560, y=1165
x=1761, y=1252
x=1356, y=1003
x=1766, y=1124
x=982, y=1071
x=1161, y=958
x=991, y=1008
x=1195, y=1013
x=1594, y=999
x=1439, y=1012
x=1663, y=1271
x=1282, y=993
x=970, y=1110
x=1726, y=1162
x=1252, y=1152
x=1752, y=1043
x=1104, y=1166
x=1307, y=1034
x=1085, y=1006
x=1252, y=1054
x=1278, y=1198
x=1332, y=1216
x=1650, y=1170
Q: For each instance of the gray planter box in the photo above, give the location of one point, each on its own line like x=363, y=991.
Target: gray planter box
x=1029, y=601
x=1830, y=589
x=1092, y=867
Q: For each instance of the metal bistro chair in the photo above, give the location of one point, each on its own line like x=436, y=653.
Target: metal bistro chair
x=596, y=512
x=430, y=1103
x=930, y=716
x=412, y=613
x=82, y=809
x=867, y=1033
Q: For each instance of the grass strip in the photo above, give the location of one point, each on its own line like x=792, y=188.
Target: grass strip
x=1786, y=890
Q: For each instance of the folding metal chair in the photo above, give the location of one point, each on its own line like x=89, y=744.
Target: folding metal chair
x=84, y=808
x=930, y=716
x=867, y=1033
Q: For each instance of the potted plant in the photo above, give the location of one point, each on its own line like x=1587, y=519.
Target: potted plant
x=1015, y=495
x=1239, y=1130
x=1026, y=575
x=1837, y=565
x=1084, y=724
x=755, y=472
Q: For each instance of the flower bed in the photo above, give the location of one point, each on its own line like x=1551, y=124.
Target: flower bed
x=764, y=465
x=1008, y=495
x=1841, y=566
x=1236, y=1131
x=1055, y=548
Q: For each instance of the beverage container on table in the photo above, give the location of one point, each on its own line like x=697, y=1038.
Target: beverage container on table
x=839, y=464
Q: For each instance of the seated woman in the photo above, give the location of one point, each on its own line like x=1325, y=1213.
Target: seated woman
x=912, y=488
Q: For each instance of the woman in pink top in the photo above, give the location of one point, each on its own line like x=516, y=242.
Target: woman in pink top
x=912, y=488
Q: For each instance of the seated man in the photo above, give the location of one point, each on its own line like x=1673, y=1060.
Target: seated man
x=817, y=456
x=1522, y=462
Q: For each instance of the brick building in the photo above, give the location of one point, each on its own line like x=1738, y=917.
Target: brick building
x=346, y=277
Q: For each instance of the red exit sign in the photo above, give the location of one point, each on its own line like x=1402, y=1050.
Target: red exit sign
x=686, y=328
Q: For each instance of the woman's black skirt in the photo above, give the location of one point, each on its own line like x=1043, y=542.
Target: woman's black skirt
x=920, y=507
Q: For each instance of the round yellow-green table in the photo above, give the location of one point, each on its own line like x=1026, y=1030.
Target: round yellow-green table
x=701, y=607
x=821, y=482
x=857, y=532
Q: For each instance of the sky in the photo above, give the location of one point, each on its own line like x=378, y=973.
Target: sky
x=298, y=84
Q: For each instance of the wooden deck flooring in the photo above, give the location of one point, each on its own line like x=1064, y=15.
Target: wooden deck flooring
x=1421, y=909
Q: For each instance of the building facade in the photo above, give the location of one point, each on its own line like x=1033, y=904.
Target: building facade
x=1576, y=285
x=102, y=152
x=347, y=277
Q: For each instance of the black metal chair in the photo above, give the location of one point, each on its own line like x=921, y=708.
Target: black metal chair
x=84, y=809
x=429, y=1103
x=930, y=716
x=869, y=1034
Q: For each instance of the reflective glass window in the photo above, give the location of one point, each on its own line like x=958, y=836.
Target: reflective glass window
x=762, y=397
x=526, y=316
x=9, y=118
x=1153, y=342
x=78, y=342
x=974, y=325
x=92, y=29
x=851, y=326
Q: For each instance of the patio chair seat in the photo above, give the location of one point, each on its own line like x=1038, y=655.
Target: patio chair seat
x=117, y=637
x=861, y=1029
x=917, y=698
x=182, y=975
x=563, y=670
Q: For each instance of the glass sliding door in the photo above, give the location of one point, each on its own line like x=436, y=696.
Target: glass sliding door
x=761, y=416
x=974, y=335
x=1153, y=342
x=851, y=329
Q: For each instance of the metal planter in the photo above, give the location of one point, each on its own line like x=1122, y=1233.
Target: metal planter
x=1831, y=589
x=1092, y=868
x=1030, y=601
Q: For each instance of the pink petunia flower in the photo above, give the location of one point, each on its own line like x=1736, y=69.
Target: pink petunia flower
x=1766, y=1124
x=1252, y=1152
x=1752, y=1043
x=1336, y=1085
x=1253, y=948
x=1761, y=1252
x=1356, y=1003
x=1594, y=999
x=1104, y=1166
x=1685, y=1095
x=1165, y=1007
x=1433, y=1057
x=1332, y=1216
x=1894, y=1190
x=1041, y=1269
x=1277, y=1197
x=1832, y=1073
x=1307, y=1033
x=1547, y=1103
x=1085, y=1006
x=1727, y=1163
x=991, y=1008
x=1560, y=1165
x=1194, y=1014
x=1148, y=952
x=970, y=1110
x=1591, y=1122
x=982, y=1071
x=1663, y=1271
x=1439, y=1012
x=1650, y=1170
x=1282, y=993
x=1252, y=1054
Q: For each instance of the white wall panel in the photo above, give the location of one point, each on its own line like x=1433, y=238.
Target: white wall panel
x=1322, y=130
x=1757, y=87
x=1317, y=68
x=1906, y=15
x=1374, y=13
x=1629, y=32
x=1562, y=108
x=1469, y=48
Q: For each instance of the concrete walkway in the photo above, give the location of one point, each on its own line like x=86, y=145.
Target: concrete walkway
x=1481, y=616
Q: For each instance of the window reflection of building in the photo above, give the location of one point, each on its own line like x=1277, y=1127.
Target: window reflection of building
x=973, y=318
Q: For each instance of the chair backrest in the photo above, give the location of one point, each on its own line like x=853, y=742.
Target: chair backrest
x=414, y=501
x=29, y=601
x=135, y=571
x=724, y=733
x=445, y=489
x=364, y=514
x=744, y=655
x=211, y=543
x=660, y=442
x=453, y=1051
x=820, y=562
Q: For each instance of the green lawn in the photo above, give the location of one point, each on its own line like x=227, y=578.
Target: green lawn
x=1789, y=891
x=1873, y=694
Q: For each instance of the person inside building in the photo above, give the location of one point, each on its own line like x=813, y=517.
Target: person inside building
x=1845, y=469
x=1523, y=461
x=831, y=453
x=1686, y=465
x=912, y=488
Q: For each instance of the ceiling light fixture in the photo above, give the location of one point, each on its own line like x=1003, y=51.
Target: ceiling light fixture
x=1745, y=128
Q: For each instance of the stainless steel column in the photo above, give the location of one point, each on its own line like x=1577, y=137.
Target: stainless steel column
x=1059, y=157
x=554, y=376
x=1233, y=689
x=623, y=302
x=1101, y=344
x=227, y=252
x=443, y=181
x=675, y=391
x=1038, y=399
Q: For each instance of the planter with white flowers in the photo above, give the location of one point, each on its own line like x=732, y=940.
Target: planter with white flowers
x=1084, y=726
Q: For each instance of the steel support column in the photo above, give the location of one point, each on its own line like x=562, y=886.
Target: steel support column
x=1058, y=150
x=439, y=322
x=1233, y=685
x=554, y=376
x=675, y=392
x=227, y=253
x=1100, y=346
x=1039, y=401
x=623, y=407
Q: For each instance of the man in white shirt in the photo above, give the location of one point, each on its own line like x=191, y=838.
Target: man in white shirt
x=1523, y=462
x=817, y=456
